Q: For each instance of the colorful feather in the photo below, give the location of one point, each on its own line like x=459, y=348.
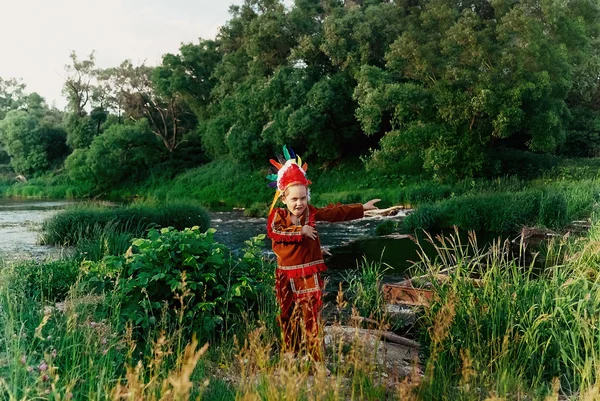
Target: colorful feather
x=276, y=164
x=272, y=184
x=305, y=167
x=277, y=193
x=286, y=154
x=272, y=177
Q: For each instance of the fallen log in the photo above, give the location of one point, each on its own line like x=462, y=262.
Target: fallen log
x=387, y=335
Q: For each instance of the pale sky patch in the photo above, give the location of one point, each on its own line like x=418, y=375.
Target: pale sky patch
x=37, y=36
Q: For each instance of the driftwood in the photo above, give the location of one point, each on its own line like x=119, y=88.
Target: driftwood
x=390, y=211
x=387, y=335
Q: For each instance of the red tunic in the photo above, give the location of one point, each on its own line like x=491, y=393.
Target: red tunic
x=298, y=255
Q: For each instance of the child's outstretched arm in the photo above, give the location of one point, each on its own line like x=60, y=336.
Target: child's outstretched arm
x=370, y=205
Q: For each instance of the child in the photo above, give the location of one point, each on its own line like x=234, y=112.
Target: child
x=296, y=244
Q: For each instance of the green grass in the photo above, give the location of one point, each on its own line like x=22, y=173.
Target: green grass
x=520, y=332
x=554, y=205
x=517, y=329
x=93, y=226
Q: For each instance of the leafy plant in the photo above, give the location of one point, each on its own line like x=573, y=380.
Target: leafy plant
x=186, y=275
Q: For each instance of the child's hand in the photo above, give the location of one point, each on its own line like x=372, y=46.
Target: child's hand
x=370, y=205
x=309, y=231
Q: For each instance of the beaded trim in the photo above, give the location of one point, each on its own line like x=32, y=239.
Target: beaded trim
x=316, y=262
x=306, y=290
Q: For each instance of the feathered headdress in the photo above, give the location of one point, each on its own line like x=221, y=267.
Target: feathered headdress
x=290, y=171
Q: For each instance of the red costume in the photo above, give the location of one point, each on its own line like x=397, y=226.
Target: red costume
x=299, y=262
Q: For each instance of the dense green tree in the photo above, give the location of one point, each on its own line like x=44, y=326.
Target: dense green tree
x=276, y=85
x=33, y=147
x=189, y=74
x=435, y=86
x=123, y=153
x=80, y=131
x=462, y=78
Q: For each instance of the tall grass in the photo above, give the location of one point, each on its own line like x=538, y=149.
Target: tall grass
x=516, y=330
x=500, y=327
x=113, y=227
x=52, y=186
x=554, y=205
x=364, y=288
x=74, y=349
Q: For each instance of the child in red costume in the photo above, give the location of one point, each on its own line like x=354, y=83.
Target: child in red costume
x=299, y=257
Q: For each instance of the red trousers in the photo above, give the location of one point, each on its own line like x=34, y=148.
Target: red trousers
x=300, y=300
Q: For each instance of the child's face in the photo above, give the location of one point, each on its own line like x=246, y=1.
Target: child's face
x=296, y=199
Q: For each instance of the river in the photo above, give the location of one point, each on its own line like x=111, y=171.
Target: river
x=20, y=223
x=348, y=242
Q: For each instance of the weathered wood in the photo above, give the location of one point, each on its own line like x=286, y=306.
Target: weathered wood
x=395, y=338
x=405, y=293
x=390, y=211
x=366, y=320
x=384, y=334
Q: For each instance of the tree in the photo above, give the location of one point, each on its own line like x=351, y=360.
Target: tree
x=463, y=78
x=168, y=116
x=11, y=95
x=123, y=153
x=32, y=146
x=79, y=83
x=189, y=74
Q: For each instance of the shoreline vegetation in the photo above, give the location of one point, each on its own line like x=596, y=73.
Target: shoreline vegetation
x=550, y=195
x=137, y=320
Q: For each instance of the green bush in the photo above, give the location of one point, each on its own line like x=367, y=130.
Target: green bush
x=187, y=279
x=427, y=217
x=124, y=152
x=495, y=212
x=84, y=222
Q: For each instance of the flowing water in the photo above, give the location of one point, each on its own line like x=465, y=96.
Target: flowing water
x=348, y=242
x=20, y=222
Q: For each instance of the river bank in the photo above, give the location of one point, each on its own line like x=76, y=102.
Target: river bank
x=550, y=197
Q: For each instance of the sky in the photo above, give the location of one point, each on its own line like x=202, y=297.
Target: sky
x=37, y=36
